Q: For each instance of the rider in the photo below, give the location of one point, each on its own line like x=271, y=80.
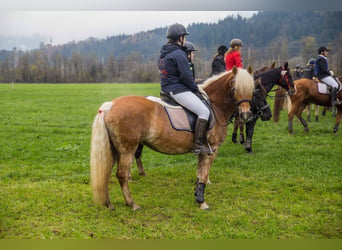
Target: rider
x=189, y=49
x=325, y=75
x=233, y=56
x=178, y=81
x=309, y=69
x=218, y=65
x=298, y=72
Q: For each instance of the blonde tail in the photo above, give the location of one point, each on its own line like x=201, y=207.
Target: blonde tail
x=101, y=157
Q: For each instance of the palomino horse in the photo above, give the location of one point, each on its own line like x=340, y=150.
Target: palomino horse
x=306, y=93
x=121, y=125
x=280, y=76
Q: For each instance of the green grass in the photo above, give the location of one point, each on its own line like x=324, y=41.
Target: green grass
x=290, y=188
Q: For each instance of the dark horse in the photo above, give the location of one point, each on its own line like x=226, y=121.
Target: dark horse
x=306, y=93
x=275, y=76
x=121, y=125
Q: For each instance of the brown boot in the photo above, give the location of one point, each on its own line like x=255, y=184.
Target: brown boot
x=200, y=142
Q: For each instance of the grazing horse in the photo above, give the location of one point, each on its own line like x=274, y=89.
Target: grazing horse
x=306, y=92
x=280, y=76
x=121, y=125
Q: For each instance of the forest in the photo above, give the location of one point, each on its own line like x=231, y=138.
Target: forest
x=268, y=36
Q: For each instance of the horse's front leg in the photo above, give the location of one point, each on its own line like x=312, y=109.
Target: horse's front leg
x=249, y=134
x=203, y=168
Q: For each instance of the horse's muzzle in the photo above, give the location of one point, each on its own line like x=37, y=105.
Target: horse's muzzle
x=245, y=116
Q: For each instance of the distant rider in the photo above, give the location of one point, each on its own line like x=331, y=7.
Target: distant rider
x=325, y=75
x=309, y=69
x=233, y=55
x=218, y=64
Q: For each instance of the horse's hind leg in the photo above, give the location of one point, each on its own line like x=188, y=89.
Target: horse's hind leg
x=337, y=120
x=137, y=156
x=123, y=172
x=316, y=112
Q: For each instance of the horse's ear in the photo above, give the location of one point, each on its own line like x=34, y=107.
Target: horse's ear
x=257, y=81
x=250, y=69
x=234, y=70
x=286, y=65
x=273, y=65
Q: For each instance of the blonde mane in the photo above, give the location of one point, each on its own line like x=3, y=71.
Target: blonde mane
x=244, y=83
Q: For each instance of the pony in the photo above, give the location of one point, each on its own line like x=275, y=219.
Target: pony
x=268, y=77
x=306, y=93
x=127, y=121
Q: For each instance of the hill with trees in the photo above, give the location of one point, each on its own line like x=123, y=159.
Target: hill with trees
x=267, y=36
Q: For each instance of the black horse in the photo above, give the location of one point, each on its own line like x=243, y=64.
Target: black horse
x=275, y=76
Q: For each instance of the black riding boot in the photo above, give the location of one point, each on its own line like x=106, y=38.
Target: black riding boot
x=201, y=137
x=333, y=97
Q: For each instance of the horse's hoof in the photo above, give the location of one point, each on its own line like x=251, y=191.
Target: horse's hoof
x=135, y=207
x=111, y=207
x=249, y=151
x=204, y=206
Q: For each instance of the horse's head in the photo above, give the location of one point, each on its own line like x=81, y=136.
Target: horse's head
x=259, y=105
x=244, y=87
x=286, y=79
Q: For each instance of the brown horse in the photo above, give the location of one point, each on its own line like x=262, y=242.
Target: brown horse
x=306, y=93
x=121, y=125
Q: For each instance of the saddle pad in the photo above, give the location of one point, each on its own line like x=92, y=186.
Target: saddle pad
x=180, y=118
x=323, y=89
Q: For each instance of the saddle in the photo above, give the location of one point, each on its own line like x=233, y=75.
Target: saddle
x=325, y=89
x=181, y=119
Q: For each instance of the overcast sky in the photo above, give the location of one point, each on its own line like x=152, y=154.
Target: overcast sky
x=66, y=26
x=73, y=20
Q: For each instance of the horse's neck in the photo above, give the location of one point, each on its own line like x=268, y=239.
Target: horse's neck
x=269, y=79
x=222, y=99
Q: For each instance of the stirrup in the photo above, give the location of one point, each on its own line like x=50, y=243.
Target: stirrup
x=204, y=150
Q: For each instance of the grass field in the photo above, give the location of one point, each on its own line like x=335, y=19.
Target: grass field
x=290, y=188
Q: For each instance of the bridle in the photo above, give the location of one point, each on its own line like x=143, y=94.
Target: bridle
x=260, y=111
x=230, y=120
x=286, y=77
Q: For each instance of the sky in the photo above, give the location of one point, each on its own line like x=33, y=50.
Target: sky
x=64, y=26
x=62, y=21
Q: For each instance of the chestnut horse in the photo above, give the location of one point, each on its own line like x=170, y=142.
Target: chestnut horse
x=306, y=93
x=121, y=125
x=269, y=77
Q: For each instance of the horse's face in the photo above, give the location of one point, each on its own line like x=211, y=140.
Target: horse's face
x=244, y=88
x=259, y=105
x=286, y=80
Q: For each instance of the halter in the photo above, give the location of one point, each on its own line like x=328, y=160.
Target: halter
x=284, y=75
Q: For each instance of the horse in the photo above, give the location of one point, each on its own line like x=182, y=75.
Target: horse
x=259, y=107
x=268, y=77
x=306, y=93
x=127, y=121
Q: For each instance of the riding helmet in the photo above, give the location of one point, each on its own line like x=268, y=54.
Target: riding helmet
x=176, y=30
x=322, y=49
x=235, y=42
x=189, y=46
x=222, y=49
